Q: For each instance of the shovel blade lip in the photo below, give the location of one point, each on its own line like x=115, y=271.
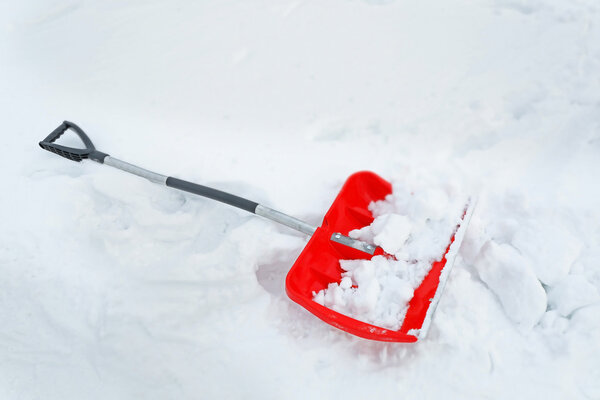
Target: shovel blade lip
x=318, y=263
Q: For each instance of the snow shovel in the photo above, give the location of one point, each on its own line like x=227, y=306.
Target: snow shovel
x=318, y=264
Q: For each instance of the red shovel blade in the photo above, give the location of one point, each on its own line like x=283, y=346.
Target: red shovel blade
x=319, y=263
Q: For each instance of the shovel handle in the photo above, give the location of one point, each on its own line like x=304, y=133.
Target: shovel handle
x=75, y=154
x=90, y=152
x=72, y=153
x=211, y=193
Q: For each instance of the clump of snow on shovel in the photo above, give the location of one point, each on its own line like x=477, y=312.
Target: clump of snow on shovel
x=414, y=224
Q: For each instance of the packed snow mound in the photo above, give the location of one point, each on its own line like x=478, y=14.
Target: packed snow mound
x=511, y=278
x=572, y=293
x=527, y=255
x=414, y=224
x=551, y=248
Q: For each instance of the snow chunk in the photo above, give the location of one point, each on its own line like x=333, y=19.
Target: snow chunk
x=415, y=224
x=551, y=248
x=375, y=291
x=510, y=276
x=390, y=231
x=572, y=293
x=552, y=321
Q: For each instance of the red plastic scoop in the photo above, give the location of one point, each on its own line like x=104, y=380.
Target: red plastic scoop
x=319, y=263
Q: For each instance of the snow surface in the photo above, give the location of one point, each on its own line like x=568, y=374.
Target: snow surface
x=113, y=287
x=414, y=225
x=381, y=292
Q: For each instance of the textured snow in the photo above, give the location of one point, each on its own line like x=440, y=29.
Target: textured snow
x=511, y=278
x=390, y=231
x=112, y=287
x=572, y=293
x=416, y=221
x=552, y=254
x=414, y=224
x=382, y=289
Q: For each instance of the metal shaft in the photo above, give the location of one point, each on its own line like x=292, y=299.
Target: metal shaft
x=256, y=208
x=133, y=169
x=285, y=219
x=235, y=201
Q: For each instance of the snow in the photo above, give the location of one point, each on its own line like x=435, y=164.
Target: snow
x=510, y=277
x=554, y=255
x=414, y=225
x=389, y=231
x=383, y=288
x=572, y=293
x=113, y=287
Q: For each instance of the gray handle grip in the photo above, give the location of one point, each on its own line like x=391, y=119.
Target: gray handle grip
x=72, y=153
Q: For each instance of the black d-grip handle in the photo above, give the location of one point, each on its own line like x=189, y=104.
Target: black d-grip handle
x=72, y=153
